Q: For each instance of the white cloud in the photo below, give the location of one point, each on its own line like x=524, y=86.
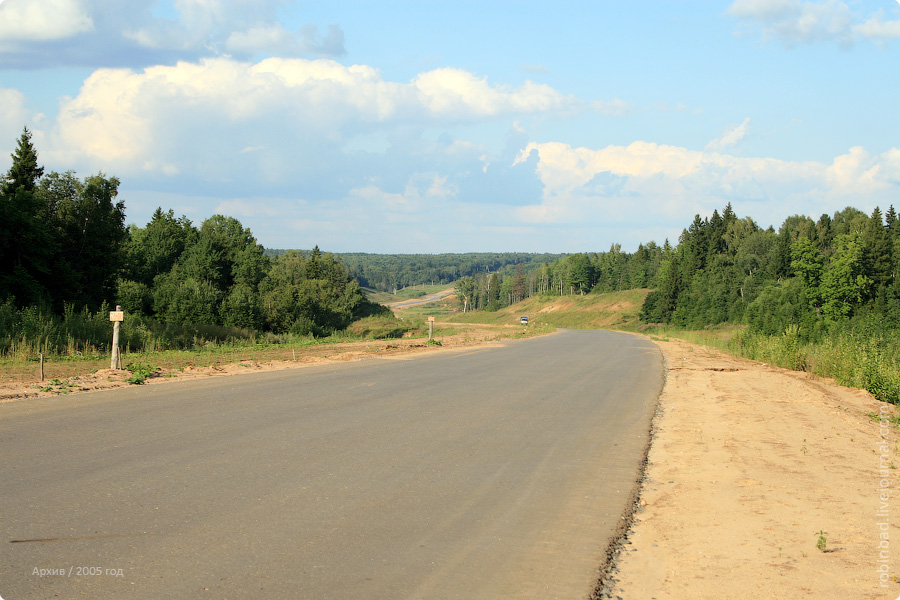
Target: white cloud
x=459, y=93
x=876, y=28
x=591, y=197
x=651, y=183
x=858, y=172
x=563, y=167
x=14, y=115
x=12, y=109
x=730, y=138
x=797, y=21
x=174, y=114
x=240, y=27
x=40, y=34
x=42, y=20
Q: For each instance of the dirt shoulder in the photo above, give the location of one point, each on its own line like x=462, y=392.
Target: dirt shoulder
x=749, y=466
x=64, y=377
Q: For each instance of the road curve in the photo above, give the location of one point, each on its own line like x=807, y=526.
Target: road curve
x=496, y=472
x=423, y=300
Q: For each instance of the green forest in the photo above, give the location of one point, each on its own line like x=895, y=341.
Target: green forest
x=390, y=272
x=812, y=276
x=66, y=256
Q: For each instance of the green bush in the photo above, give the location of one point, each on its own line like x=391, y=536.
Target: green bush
x=381, y=328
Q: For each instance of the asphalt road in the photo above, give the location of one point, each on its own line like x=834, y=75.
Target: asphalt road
x=423, y=300
x=496, y=472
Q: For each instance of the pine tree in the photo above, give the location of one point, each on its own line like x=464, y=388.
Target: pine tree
x=876, y=251
x=26, y=245
x=25, y=171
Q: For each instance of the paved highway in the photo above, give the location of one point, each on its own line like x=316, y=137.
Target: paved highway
x=423, y=300
x=494, y=472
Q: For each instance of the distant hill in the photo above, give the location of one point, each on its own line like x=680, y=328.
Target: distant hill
x=392, y=272
x=613, y=310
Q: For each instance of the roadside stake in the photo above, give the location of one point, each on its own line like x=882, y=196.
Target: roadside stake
x=116, y=316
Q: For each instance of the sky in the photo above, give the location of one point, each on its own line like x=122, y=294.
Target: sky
x=462, y=126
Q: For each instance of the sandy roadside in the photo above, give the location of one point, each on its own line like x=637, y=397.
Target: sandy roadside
x=21, y=387
x=748, y=465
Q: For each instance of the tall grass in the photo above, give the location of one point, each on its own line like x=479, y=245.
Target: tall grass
x=33, y=330
x=25, y=333
x=865, y=359
x=855, y=356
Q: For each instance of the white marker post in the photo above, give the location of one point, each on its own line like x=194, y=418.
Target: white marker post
x=116, y=316
x=430, y=328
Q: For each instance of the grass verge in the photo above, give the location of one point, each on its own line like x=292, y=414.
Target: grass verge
x=867, y=361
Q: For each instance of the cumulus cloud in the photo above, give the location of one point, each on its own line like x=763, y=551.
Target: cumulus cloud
x=42, y=20
x=14, y=114
x=590, y=196
x=877, y=28
x=231, y=129
x=859, y=172
x=797, y=21
x=730, y=138
x=48, y=33
x=655, y=183
x=12, y=109
x=459, y=93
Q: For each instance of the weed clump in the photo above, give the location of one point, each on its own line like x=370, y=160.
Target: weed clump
x=140, y=372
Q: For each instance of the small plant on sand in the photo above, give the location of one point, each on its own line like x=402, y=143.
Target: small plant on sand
x=822, y=542
x=139, y=372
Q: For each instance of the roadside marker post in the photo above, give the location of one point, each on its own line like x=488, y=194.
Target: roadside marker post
x=116, y=316
x=430, y=328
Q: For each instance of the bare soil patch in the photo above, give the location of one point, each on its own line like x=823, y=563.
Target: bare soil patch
x=749, y=467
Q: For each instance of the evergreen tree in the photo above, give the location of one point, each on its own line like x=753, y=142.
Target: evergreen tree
x=26, y=243
x=25, y=171
x=876, y=251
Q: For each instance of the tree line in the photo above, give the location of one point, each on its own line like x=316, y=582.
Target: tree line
x=814, y=275
x=63, y=243
x=390, y=272
x=580, y=273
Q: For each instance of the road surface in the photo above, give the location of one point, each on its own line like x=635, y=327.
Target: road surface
x=496, y=472
x=424, y=299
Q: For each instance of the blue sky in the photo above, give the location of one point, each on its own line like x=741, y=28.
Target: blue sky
x=462, y=126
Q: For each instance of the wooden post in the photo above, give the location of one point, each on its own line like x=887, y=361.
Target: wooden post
x=42, y=366
x=116, y=316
